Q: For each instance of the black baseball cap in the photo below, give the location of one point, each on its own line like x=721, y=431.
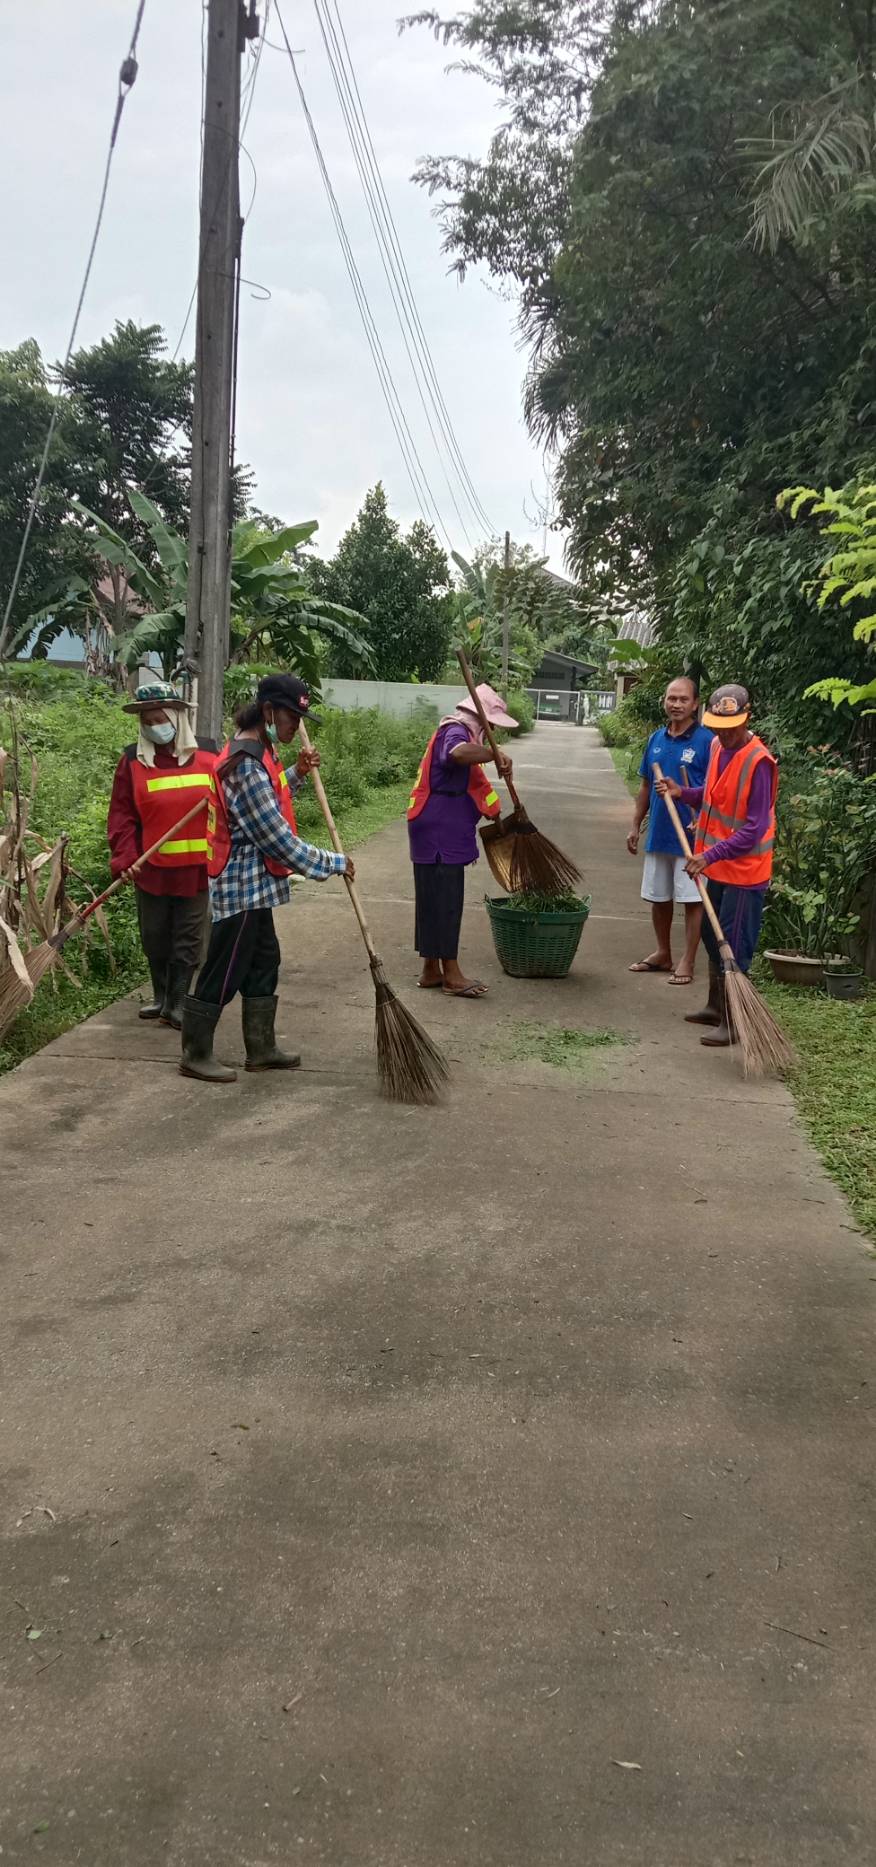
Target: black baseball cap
x=286, y=690
x=728, y=706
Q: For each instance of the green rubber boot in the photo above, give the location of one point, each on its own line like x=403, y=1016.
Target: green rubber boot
x=158, y=975
x=199, y=1022
x=713, y=1012
x=259, y=1017
x=179, y=978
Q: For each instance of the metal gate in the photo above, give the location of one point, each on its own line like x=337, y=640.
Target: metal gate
x=575, y=707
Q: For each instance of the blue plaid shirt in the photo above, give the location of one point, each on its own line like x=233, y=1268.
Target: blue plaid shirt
x=257, y=830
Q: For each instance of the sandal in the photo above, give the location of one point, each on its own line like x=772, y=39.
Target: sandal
x=475, y=989
x=647, y=965
x=680, y=978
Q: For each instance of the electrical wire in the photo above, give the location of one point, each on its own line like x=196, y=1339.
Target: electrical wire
x=389, y=274
x=417, y=475
x=126, y=77
x=362, y=143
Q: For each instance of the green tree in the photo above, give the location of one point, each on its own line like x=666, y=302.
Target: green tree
x=26, y=404
x=400, y=584
x=540, y=608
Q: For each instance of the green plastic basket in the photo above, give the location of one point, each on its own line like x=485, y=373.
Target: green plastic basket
x=535, y=946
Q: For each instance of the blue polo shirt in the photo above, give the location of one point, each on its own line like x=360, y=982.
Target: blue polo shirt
x=689, y=752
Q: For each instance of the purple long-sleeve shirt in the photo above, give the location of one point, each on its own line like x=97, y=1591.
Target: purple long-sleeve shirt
x=445, y=828
x=757, y=816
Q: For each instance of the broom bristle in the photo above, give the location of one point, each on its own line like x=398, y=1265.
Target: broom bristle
x=764, y=1046
x=410, y=1066
x=15, y=995
x=525, y=861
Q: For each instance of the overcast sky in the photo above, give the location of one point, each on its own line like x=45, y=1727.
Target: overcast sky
x=311, y=419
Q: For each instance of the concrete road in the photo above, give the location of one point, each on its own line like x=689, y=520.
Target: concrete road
x=486, y=1487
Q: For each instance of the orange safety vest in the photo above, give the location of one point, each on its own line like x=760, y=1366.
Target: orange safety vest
x=162, y=796
x=218, y=829
x=725, y=808
x=480, y=790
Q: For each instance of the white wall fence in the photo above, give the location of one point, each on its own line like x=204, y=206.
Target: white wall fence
x=396, y=697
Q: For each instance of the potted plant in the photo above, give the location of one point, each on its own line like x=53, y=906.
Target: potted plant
x=825, y=847
x=843, y=978
x=536, y=936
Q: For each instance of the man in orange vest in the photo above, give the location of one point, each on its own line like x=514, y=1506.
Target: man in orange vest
x=157, y=780
x=735, y=839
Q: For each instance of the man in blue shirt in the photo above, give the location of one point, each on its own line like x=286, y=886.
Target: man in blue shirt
x=681, y=749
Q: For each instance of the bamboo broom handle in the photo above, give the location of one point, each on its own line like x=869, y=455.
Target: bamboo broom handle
x=681, y=833
x=469, y=681
x=78, y=920
x=326, y=809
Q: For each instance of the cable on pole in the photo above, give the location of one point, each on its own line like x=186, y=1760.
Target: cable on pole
x=362, y=143
x=420, y=486
x=127, y=75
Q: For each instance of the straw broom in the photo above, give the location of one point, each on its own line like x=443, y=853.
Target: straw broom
x=410, y=1066
x=764, y=1046
x=519, y=856
x=25, y=972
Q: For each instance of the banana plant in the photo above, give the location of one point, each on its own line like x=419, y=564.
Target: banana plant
x=275, y=616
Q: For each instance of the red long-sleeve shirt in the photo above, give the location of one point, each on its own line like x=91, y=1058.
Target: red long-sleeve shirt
x=125, y=836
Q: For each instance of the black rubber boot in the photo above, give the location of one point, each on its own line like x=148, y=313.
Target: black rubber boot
x=199, y=1021
x=179, y=978
x=722, y=1036
x=713, y=1013
x=158, y=976
x=259, y=1017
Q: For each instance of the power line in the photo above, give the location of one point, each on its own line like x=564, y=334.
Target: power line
x=353, y=109
x=389, y=274
x=127, y=75
x=421, y=488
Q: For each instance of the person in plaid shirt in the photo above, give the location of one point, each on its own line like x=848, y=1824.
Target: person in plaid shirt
x=255, y=849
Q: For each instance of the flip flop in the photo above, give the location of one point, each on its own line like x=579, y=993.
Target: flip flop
x=680, y=978
x=647, y=965
x=475, y=990
x=430, y=985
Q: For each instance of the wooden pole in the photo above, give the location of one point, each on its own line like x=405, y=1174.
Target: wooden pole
x=506, y=618
x=209, y=590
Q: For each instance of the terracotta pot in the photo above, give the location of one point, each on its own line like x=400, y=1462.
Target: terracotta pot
x=795, y=969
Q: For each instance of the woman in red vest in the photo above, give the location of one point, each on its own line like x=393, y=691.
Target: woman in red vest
x=157, y=780
x=451, y=792
x=735, y=839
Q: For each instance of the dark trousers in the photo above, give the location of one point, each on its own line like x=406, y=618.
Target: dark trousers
x=439, y=894
x=740, y=911
x=172, y=929
x=243, y=956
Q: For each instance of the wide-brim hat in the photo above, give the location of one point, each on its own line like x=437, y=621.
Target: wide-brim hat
x=154, y=694
x=493, y=705
x=728, y=706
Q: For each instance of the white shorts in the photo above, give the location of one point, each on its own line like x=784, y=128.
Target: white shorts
x=664, y=879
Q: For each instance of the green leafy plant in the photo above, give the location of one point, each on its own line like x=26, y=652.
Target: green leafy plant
x=848, y=573
x=274, y=612
x=825, y=849
x=532, y=902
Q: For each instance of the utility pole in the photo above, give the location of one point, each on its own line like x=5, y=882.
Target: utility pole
x=208, y=596
x=506, y=617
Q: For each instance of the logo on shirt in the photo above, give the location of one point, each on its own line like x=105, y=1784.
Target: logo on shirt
x=687, y=757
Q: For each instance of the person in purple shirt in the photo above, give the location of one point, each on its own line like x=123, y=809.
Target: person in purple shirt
x=449, y=797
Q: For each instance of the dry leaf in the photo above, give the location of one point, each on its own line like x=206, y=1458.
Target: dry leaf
x=620, y=1764
x=16, y=957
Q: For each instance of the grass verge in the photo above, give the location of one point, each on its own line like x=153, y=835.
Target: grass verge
x=60, y=1004
x=626, y=766
x=834, y=1086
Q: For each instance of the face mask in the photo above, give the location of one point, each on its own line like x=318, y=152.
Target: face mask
x=272, y=733
x=161, y=735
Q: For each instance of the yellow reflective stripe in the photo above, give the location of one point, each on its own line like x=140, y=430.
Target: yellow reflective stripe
x=187, y=846
x=492, y=797
x=189, y=781
x=283, y=779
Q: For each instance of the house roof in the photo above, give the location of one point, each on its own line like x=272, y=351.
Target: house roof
x=565, y=661
x=637, y=628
